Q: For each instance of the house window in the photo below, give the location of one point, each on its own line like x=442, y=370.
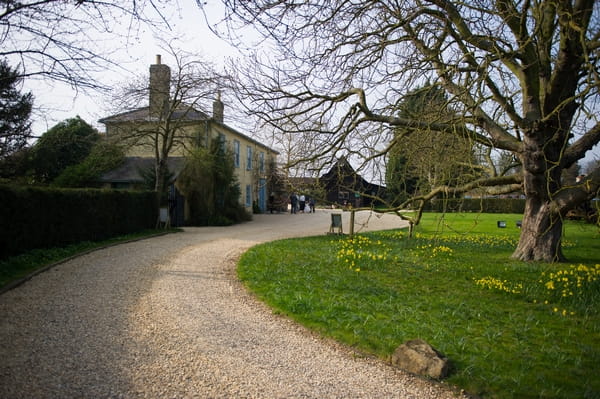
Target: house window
x=248, y=158
x=261, y=162
x=236, y=153
x=248, y=195
x=222, y=142
x=343, y=195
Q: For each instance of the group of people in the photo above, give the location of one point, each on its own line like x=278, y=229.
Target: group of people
x=302, y=203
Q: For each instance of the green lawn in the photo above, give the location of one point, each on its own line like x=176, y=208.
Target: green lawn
x=511, y=329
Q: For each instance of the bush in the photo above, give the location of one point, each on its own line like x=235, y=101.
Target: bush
x=103, y=157
x=46, y=217
x=486, y=205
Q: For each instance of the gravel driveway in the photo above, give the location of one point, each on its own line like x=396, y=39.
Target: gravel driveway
x=166, y=318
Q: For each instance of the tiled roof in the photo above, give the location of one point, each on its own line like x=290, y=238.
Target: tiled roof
x=186, y=113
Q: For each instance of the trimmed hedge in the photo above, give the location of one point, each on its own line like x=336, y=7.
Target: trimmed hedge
x=486, y=205
x=47, y=217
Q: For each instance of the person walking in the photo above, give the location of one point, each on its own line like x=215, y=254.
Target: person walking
x=294, y=202
x=302, y=201
x=311, y=202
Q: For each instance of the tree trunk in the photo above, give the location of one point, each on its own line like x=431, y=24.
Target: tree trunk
x=541, y=233
x=160, y=184
x=160, y=173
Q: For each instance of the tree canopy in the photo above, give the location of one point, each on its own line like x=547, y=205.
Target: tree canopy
x=417, y=163
x=66, y=144
x=15, y=110
x=523, y=76
x=103, y=157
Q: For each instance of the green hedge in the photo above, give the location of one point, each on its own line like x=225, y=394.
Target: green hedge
x=486, y=205
x=46, y=217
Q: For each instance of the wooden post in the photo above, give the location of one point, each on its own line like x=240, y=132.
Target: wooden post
x=352, y=223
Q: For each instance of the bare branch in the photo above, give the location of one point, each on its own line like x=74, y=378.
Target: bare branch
x=69, y=41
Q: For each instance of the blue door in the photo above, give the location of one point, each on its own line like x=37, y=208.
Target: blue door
x=262, y=195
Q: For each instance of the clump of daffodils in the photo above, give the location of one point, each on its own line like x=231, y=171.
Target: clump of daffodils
x=362, y=250
x=568, y=286
x=493, y=283
x=567, y=282
x=435, y=251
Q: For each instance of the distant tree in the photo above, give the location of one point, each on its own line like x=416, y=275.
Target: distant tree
x=66, y=144
x=420, y=161
x=401, y=181
x=276, y=186
x=16, y=167
x=104, y=156
x=227, y=187
x=15, y=110
x=196, y=183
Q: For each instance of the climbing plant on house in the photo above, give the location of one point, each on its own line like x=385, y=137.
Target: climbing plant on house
x=211, y=187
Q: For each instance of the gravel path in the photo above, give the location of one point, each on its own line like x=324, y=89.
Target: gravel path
x=166, y=318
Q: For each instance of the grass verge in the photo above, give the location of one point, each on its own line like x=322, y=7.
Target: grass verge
x=18, y=267
x=511, y=329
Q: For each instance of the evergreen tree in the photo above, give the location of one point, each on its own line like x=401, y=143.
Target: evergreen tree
x=15, y=110
x=421, y=160
x=400, y=181
x=66, y=144
x=103, y=157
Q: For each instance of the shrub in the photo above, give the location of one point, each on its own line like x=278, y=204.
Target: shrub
x=103, y=157
x=48, y=217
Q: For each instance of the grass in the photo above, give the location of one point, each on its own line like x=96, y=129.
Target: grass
x=511, y=329
x=18, y=267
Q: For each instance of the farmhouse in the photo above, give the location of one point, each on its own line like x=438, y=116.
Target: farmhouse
x=137, y=130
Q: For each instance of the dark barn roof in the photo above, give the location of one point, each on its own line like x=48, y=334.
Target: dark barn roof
x=343, y=177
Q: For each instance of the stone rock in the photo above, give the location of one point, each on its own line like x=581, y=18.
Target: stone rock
x=418, y=357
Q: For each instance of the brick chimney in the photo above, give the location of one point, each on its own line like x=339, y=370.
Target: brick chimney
x=218, y=108
x=160, y=80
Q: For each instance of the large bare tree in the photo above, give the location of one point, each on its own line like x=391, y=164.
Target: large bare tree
x=523, y=76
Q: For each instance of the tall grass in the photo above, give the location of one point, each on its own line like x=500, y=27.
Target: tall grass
x=511, y=329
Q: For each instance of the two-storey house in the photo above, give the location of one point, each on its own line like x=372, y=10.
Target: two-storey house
x=166, y=121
